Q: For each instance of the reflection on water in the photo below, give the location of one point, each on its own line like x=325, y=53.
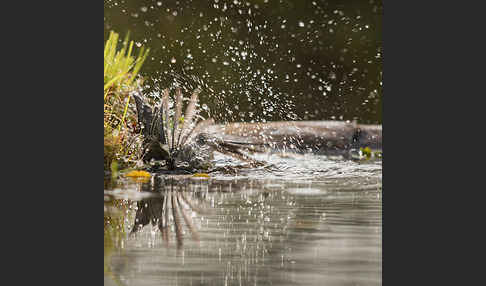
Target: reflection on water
x=244, y=231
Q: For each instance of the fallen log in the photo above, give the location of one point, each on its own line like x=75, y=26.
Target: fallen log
x=319, y=137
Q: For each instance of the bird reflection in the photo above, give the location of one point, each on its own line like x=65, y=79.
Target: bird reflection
x=172, y=209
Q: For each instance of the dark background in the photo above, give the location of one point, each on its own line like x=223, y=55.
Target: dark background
x=263, y=59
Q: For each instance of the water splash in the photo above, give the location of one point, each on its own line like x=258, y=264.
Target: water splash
x=274, y=60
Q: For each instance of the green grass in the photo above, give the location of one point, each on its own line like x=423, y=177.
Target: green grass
x=121, y=76
x=120, y=67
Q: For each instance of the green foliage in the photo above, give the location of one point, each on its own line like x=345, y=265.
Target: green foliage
x=114, y=170
x=366, y=152
x=121, y=70
x=378, y=154
x=120, y=67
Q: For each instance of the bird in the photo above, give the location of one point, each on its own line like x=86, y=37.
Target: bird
x=189, y=141
x=181, y=141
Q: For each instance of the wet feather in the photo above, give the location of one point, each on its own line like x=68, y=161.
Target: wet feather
x=165, y=115
x=189, y=115
x=197, y=129
x=178, y=114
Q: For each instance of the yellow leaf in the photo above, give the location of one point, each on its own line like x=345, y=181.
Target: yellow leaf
x=201, y=175
x=138, y=174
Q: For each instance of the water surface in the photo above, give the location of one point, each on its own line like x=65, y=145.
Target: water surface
x=258, y=227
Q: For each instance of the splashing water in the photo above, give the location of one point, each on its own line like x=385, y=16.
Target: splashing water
x=264, y=60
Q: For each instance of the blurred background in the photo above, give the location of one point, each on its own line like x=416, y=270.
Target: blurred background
x=262, y=60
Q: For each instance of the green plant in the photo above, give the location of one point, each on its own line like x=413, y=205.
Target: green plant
x=121, y=76
x=366, y=152
x=120, y=67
